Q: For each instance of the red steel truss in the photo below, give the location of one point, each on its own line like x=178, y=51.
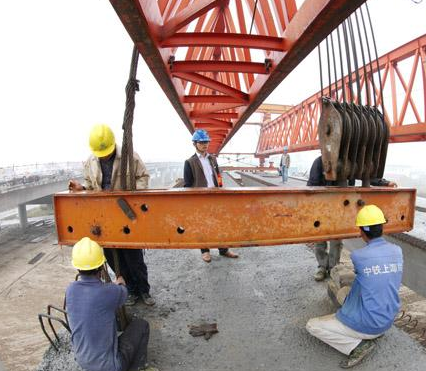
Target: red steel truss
x=214, y=68
x=403, y=73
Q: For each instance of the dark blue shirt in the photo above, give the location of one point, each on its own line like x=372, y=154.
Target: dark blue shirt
x=91, y=307
x=373, y=301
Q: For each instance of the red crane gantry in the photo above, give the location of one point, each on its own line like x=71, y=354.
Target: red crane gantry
x=212, y=67
x=403, y=73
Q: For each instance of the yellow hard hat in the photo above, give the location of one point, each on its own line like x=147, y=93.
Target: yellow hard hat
x=101, y=140
x=87, y=255
x=370, y=215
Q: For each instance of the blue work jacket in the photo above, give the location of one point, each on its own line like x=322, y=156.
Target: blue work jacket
x=91, y=307
x=373, y=301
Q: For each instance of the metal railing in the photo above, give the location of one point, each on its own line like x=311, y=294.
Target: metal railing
x=162, y=174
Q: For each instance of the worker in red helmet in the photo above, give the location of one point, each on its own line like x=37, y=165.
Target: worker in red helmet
x=202, y=170
x=102, y=172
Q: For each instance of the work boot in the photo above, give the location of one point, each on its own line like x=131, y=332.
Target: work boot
x=363, y=349
x=131, y=300
x=206, y=257
x=230, y=254
x=147, y=299
x=321, y=274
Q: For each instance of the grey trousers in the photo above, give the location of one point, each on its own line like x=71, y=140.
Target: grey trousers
x=330, y=259
x=133, y=345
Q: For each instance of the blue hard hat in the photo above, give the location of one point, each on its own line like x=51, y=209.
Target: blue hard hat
x=200, y=136
x=285, y=148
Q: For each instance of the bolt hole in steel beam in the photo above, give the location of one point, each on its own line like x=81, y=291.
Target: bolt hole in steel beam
x=144, y=208
x=317, y=223
x=346, y=202
x=126, y=230
x=70, y=229
x=402, y=217
x=96, y=230
x=360, y=203
x=180, y=230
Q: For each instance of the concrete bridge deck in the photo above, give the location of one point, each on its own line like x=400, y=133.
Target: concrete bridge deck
x=261, y=303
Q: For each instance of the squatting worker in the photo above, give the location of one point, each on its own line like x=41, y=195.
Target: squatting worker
x=327, y=260
x=373, y=301
x=91, y=307
x=202, y=170
x=102, y=172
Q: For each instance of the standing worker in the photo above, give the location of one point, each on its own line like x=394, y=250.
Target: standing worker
x=326, y=261
x=285, y=164
x=91, y=307
x=202, y=170
x=102, y=172
x=373, y=301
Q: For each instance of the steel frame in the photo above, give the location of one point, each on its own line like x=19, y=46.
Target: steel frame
x=224, y=217
x=298, y=128
x=218, y=74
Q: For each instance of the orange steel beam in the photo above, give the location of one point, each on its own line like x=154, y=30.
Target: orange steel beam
x=219, y=66
x=218, y=47
x=219, y=115
x=298, y=128
x=224, y=217
x=215, y=98
x=215, y=122
x=212, y=84
x=187, y=15
x=234, y=40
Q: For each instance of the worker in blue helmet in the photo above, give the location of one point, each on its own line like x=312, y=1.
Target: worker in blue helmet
x=285, y=164
x=202, y=170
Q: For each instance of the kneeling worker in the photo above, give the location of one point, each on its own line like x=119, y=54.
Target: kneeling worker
x=91, y=307
x=373, y=301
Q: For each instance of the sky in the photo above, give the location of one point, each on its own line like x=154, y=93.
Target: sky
x=64, y=66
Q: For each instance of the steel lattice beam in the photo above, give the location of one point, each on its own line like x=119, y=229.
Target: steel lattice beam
x=298, y=128
x=219, y=49
x=225, y=40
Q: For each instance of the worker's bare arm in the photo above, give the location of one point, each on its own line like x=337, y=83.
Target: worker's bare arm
x=120, y=281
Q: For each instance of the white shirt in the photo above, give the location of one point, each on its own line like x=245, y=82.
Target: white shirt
x=207, y=168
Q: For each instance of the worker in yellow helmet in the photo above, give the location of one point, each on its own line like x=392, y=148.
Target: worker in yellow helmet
x=102, y=172
x=328, y=259
x=373, y=301
x=91, y=308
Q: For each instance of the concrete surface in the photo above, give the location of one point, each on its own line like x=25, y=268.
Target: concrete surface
x=261, y=303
